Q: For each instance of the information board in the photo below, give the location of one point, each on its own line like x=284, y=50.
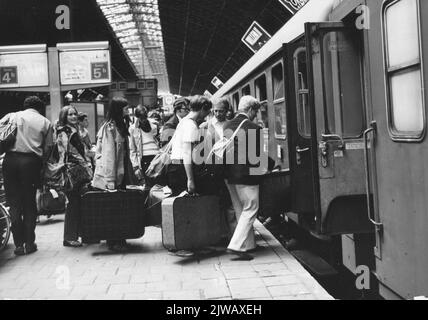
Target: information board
x=20, y=70
x=85, y=67
x=255, y=37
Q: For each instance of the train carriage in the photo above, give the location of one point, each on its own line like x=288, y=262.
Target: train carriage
x=342, y=89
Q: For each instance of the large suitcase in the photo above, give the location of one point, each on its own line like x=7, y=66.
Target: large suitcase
x=113, y=215
x=191, y=222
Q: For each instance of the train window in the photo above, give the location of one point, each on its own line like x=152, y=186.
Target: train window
x=343, y=91
x=260, y=85
x=246, y=90
x=235, y=101
x=406, y=107
x=278, y=82
x=302, y=93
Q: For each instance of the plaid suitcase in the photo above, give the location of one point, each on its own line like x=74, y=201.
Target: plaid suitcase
x=191, y=222
x=113, y=215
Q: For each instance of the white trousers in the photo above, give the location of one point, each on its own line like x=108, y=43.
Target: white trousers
x=245, y=201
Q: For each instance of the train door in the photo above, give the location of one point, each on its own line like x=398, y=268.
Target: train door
x=399, y=174
x=335, y=63
x=300, y=145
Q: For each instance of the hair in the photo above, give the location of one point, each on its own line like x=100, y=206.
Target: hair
x=34, y=102
x=115, y=114
x=82, y=116
x=198, y=103
x=63, y=114
x=223, y=102
x=248, y=102
x=143, y=122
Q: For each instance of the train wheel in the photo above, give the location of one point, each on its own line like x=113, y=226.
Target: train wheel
x=4, y=227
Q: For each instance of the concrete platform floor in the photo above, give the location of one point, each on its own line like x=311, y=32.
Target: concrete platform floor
x=150, y=272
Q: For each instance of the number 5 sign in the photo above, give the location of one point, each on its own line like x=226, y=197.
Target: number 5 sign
x=99, y=70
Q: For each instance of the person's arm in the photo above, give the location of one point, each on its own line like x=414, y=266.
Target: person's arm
x=187, y=160
x=48, y=143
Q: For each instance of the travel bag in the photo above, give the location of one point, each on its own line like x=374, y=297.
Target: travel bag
x=113, y=215
x=191, y=222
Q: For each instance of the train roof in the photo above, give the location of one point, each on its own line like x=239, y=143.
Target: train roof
x=313, y=11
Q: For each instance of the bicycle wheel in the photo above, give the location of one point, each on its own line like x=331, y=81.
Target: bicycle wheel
x=4, y=227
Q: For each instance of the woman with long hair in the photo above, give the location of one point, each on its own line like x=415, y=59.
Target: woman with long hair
x=142, y=144
x=113, y=168
x=71, y=150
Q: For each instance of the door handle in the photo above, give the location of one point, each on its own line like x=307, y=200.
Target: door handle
x=373, y=128
x=298, y=150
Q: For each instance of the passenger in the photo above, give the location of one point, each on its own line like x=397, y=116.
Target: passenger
x=230, y=114
x=142, y=144
x=183, y=173
x=113, y=167
x=86, y=139
x=181, y=109
x=244, y=187
x=21, y=170
x=71, y=146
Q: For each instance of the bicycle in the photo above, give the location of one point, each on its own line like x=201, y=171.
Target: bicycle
x=5, y=224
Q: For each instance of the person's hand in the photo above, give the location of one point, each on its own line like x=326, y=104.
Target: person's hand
x=138, y=173
x=191, y=189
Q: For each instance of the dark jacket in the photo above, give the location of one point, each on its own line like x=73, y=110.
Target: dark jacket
x=169, y=129
x=239, y=171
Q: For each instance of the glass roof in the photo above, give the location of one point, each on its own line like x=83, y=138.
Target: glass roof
x=137, y=26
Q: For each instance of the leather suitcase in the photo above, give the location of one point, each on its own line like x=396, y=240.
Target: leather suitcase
x=191, y=222
x=113, y=215
x=274, y=194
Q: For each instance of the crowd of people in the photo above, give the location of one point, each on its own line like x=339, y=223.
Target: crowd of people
x=125, y=147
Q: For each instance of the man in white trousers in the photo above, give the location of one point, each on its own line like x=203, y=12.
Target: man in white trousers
x=242, y=176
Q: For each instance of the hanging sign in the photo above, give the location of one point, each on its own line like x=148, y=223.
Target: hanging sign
x=79, y=63
x=21, y=67
x=255, y=37
x=293, y=5
x=217, y=82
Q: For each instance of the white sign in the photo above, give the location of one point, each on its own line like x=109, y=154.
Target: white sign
x=255, y=37
x=217, y=82
x=18, y=70
x=84, y=67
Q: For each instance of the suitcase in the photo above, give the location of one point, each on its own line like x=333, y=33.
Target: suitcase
x=274, y=194
x=191, y=222
x=115, y=215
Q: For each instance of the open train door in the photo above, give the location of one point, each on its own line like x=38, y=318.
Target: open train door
x=336, y=97
x=399, y=146
x=302, y=153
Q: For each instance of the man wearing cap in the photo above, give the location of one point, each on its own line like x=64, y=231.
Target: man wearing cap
x=181, y=109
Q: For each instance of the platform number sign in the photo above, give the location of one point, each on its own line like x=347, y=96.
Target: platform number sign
x=8, y=75
x=99, y=70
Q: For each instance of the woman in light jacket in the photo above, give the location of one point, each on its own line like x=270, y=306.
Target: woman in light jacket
x=113, y=168
x=70, y=146
x=142, y=144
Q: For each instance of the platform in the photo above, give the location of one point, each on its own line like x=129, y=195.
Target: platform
x=150, y=272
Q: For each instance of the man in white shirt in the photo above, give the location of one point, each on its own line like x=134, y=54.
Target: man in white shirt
x=181, y=172
x=21, y=169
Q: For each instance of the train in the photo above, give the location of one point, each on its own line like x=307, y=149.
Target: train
x=342, y=90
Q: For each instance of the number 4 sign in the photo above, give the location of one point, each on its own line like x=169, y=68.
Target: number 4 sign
x=99, y=70
x=8, y=75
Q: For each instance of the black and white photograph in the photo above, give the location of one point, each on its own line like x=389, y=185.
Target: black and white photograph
x=219, y=156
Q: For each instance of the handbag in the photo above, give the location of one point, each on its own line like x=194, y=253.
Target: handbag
x=8, y=132
x=158, y=166
x=222, y=146
x=50, y=201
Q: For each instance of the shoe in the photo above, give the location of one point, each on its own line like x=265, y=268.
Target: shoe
x=241, y=255
x=19, y=251
x=72, y=243
x=118, y=248
x=30, y=248
x=184, y=253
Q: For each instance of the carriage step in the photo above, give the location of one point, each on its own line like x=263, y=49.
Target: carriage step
x=314, y=263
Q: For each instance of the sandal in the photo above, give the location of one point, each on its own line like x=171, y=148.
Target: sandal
x=72, y=243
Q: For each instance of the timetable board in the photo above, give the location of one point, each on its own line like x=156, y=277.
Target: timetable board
x=20, y=70
x=85, y=67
